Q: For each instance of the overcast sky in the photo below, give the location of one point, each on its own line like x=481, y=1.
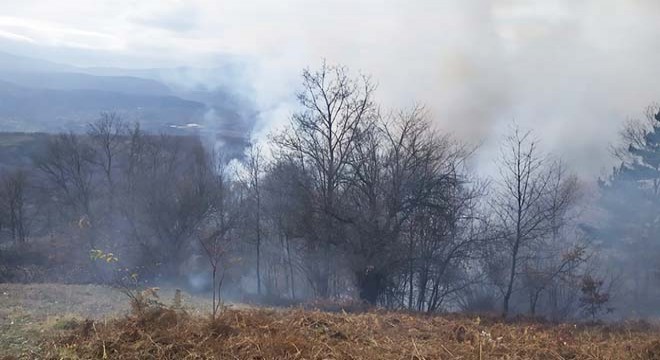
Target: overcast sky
x=573, y=70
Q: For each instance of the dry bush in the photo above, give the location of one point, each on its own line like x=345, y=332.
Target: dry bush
x=164, y=333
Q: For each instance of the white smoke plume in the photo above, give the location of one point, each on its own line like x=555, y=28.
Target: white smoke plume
x=573, y=70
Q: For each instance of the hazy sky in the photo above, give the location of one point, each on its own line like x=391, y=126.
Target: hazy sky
x=573, y=70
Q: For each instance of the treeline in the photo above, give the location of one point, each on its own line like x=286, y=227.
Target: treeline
x=114, y=187
x=346, y=202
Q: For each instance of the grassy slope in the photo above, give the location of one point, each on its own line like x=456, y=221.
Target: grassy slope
x=46, y=321
x=29, y=313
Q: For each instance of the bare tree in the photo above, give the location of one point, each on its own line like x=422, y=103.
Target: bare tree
x=407, y=188
x=557, y=256
x=68, y=172
x=287, y=207
x=107, y=135
x=547, y=269
x=335, y=111
x=521, y=205
x=215, y=249
x=13, y=200
x=176, y=196
x=216, y=232
x=254, y=167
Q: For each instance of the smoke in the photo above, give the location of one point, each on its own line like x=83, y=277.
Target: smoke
x=573, y=70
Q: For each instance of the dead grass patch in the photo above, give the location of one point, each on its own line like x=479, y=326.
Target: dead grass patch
x=52, y=321
x=303, y=334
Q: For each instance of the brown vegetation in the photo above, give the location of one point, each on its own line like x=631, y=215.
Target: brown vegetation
x=30, y=312
x=47, y=321
x=300, y=334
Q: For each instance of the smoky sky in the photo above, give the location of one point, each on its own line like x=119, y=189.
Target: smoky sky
x=572, y=70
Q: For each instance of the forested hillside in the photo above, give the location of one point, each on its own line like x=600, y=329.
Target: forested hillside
x=346, y=202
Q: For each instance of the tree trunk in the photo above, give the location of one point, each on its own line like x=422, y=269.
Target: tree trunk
x=411, y=270
x=258, y=264
x=288, y=254
x=370, y=285
x=512, y=277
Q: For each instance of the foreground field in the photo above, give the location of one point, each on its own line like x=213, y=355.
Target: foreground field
x=299, y=334
x=167, y=333
x=31, y=313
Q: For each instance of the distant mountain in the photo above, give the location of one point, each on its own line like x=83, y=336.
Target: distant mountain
x=79, y=81
x=33, y=109
x=40, y=95
x=10, y=62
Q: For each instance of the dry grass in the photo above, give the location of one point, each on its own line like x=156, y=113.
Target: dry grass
x=303, y=334
x=163, y=333
x=30, y=312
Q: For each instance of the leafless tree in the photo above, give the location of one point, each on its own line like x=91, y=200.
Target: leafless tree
x=107, y=135
x=254, y=166
x=521, y=207
x=13, y=203
x=215, y=249
x=68, y=175
x=335, y=110
x=407, y=189
x=287, y=206
x=174, y=194
x=559, y=255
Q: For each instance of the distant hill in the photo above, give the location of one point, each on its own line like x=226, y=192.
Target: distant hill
x=11, y=62
x=38, y=95
x=33, y=109
x=80, y=81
